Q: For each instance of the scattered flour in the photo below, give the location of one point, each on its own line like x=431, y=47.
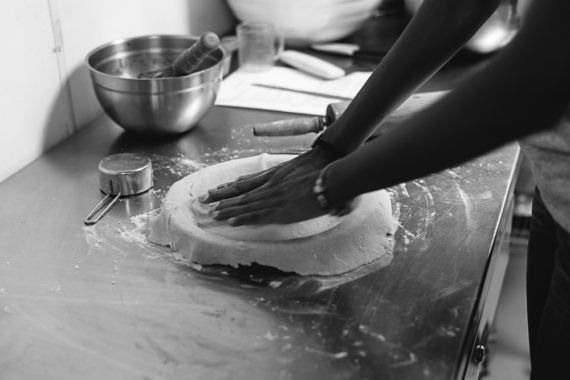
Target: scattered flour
x=138, y=234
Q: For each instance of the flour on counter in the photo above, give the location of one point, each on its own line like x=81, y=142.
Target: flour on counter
x=138, y=234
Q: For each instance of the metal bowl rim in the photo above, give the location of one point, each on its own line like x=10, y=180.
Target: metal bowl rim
x=148, y=37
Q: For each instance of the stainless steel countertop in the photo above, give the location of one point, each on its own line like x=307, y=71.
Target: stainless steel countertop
x=101, y=302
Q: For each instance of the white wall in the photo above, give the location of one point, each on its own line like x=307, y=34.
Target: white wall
x=46, y=92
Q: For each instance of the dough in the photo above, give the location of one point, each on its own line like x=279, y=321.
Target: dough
x=325, y=245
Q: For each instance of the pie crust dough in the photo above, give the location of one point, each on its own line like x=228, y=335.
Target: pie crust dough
x=326, y=245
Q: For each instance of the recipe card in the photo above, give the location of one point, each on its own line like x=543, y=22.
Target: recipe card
x=287, y=90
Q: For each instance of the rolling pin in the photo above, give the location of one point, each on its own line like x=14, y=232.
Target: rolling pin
x=315, y=124
x=187, y=61
x=301, y=125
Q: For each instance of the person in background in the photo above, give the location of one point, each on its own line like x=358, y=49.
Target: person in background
x=525, y=89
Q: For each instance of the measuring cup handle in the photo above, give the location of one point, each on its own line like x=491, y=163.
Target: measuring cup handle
x=279, y=42
x=101, y=209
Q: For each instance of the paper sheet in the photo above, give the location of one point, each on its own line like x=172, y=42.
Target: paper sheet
x=240, y=90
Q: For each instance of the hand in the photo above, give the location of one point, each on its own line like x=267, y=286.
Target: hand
x=288, y=200
x=281, y=194
x=314, y=159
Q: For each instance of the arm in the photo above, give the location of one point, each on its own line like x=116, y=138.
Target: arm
x=437, y=31
x=525, y=89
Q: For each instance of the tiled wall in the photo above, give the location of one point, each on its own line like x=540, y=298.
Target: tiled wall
x=45, y=92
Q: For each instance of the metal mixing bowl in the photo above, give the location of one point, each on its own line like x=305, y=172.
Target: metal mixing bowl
x=305, y=22
x=158, y=106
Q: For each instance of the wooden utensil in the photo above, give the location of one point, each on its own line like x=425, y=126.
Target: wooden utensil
x=189, y=59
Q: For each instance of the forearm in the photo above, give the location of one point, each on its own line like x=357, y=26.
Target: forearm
x=525, y=89
x=434, y=35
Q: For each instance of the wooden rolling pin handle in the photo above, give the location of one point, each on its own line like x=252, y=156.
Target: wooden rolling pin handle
x=301, y=125
x=334, y=110
x=192, y=57
x=290, y=127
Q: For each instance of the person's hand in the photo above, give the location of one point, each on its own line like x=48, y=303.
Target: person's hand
x=288, y=200
x=281, y=194
x=314, y=159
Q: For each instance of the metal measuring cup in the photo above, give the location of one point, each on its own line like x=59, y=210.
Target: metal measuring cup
x=120, y=175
